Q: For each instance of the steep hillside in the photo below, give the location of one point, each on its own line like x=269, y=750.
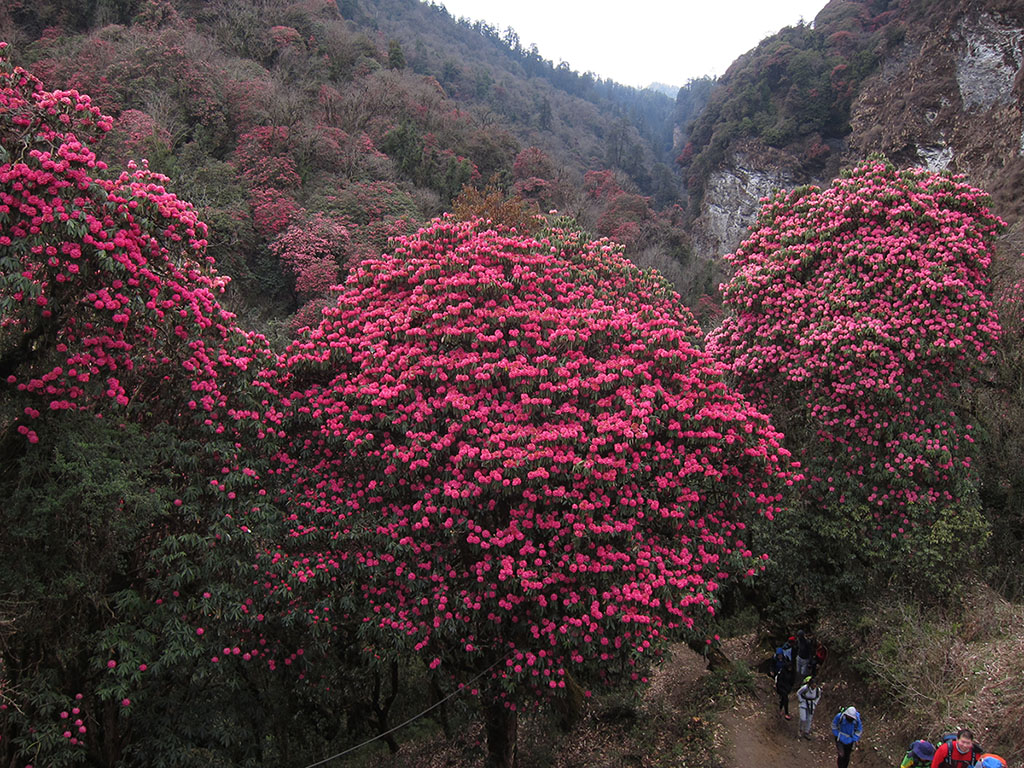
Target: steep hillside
x=370, y=114
x=934, y=84
x=584, y=121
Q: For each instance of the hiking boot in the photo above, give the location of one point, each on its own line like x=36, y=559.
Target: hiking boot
x=808, y=737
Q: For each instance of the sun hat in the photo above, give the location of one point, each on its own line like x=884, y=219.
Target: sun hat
x=923, y=750
x=850, y=712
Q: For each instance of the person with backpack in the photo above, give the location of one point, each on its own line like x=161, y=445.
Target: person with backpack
x=778, y=662
x=846, y=727
x=958, y=752
x=819, y=658
x=783, y=685
x=783, y=656
x=807, y=698
x=804, y=654
x=919, y=755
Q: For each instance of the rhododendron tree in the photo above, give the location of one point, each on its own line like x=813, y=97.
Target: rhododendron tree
x=625, y=218
x=536, y=178
x=141, y=136
x=131, y=513
x=314, y=251
x=628, y=218
x=263, y=160
x=859, y=314
x=106, y=292
x=517, y=457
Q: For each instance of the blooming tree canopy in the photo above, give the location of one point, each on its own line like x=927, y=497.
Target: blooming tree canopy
x=858, y=313
x=104, y=287
x=125, y=394
x=522, y=454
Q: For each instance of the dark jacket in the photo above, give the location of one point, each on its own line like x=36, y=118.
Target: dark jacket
x=784, y=679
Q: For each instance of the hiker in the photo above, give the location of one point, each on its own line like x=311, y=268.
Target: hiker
x=807, y=697
x=783, y=657
x=820, y=656
x=804, y=654
x=783, y=685
x=846, y=727
x=919, y=755
x=959, y=752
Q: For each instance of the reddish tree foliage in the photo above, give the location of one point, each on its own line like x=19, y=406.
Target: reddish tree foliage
x=264, y=158
x=533, y=162
x=522, y=454
x=625, y=217
x=285, y=37
x=142, y=134
x=859, y=313
x=601, y=185
x=106, y=290
x=314, y=251
x=273, y=211
x=536, y=178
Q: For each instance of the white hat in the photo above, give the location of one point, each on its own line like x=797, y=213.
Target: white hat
x=850, y=712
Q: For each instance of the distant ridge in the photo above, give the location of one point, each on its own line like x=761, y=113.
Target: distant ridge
x=668, y=90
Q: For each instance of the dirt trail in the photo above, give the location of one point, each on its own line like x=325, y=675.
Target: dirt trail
x=757, y=736
x=754, y=735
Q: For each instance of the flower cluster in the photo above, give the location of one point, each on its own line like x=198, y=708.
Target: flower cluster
x=859, y=312
x=103, y=279
x=521, y=451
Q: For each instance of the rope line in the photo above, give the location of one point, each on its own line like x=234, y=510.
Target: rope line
x=456, y=692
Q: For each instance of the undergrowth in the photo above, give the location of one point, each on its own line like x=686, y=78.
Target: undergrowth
x=934, y=670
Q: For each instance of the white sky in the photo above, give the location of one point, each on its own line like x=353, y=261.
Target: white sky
x=666, y=41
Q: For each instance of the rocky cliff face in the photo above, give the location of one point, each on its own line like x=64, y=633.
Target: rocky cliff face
x=950, y=97
x=947, y=93
x=734, y=194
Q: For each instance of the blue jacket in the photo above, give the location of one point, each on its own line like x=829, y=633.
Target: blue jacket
x=846, y=730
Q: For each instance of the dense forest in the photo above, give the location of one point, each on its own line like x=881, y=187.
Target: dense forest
x=355, y=364
x=794, y=90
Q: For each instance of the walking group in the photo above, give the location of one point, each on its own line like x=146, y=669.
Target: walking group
x=800, y=658
x=955, y=750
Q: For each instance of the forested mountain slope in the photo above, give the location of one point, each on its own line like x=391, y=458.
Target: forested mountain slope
x=934, y=84
x=376, y=111
x=332, y=395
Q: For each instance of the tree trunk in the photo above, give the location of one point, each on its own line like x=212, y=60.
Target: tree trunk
x=442, y=711
x=382, y=706
x=711, y=652
x=502, y=729
x=111, y=745
x=568, y=705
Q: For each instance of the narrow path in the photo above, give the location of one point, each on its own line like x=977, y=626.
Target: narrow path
x=760, y=738
x=755, y=735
